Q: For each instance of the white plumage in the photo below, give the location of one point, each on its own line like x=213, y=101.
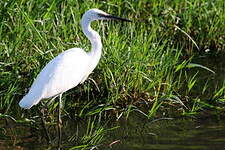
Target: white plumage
x=69, y=68
x=61, y=74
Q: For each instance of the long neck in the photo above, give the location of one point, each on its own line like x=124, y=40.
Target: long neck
x=95, y=39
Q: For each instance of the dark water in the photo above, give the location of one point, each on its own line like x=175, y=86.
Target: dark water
x=136, y=133
x=175, y=134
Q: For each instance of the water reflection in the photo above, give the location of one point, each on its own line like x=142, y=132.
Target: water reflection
x=171, y=135
x=136, y=133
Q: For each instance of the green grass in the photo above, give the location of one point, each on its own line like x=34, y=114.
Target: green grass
x=149, y=61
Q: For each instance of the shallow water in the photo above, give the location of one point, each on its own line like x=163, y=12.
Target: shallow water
x=136, y=133
x=173, y=135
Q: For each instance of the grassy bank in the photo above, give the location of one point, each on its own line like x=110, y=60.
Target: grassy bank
x=147, y=66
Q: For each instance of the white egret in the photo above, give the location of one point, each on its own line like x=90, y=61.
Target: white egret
x=69, y=68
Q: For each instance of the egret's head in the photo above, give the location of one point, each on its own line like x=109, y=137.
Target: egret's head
x=96, y=14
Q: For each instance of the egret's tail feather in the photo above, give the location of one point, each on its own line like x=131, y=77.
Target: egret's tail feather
x=28, y=101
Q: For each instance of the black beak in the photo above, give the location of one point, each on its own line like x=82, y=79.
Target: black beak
x=114, y=18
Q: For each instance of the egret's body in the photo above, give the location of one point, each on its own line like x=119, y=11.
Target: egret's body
x=69, y=68
x=61, y=74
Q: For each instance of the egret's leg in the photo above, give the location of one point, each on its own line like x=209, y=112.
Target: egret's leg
x=44, y=108
x=59, y=121
x=44, y=126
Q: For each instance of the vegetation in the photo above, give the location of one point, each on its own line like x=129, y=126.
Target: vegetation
x=160, y=65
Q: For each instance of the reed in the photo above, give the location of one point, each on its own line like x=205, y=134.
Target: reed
x=149, y=61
